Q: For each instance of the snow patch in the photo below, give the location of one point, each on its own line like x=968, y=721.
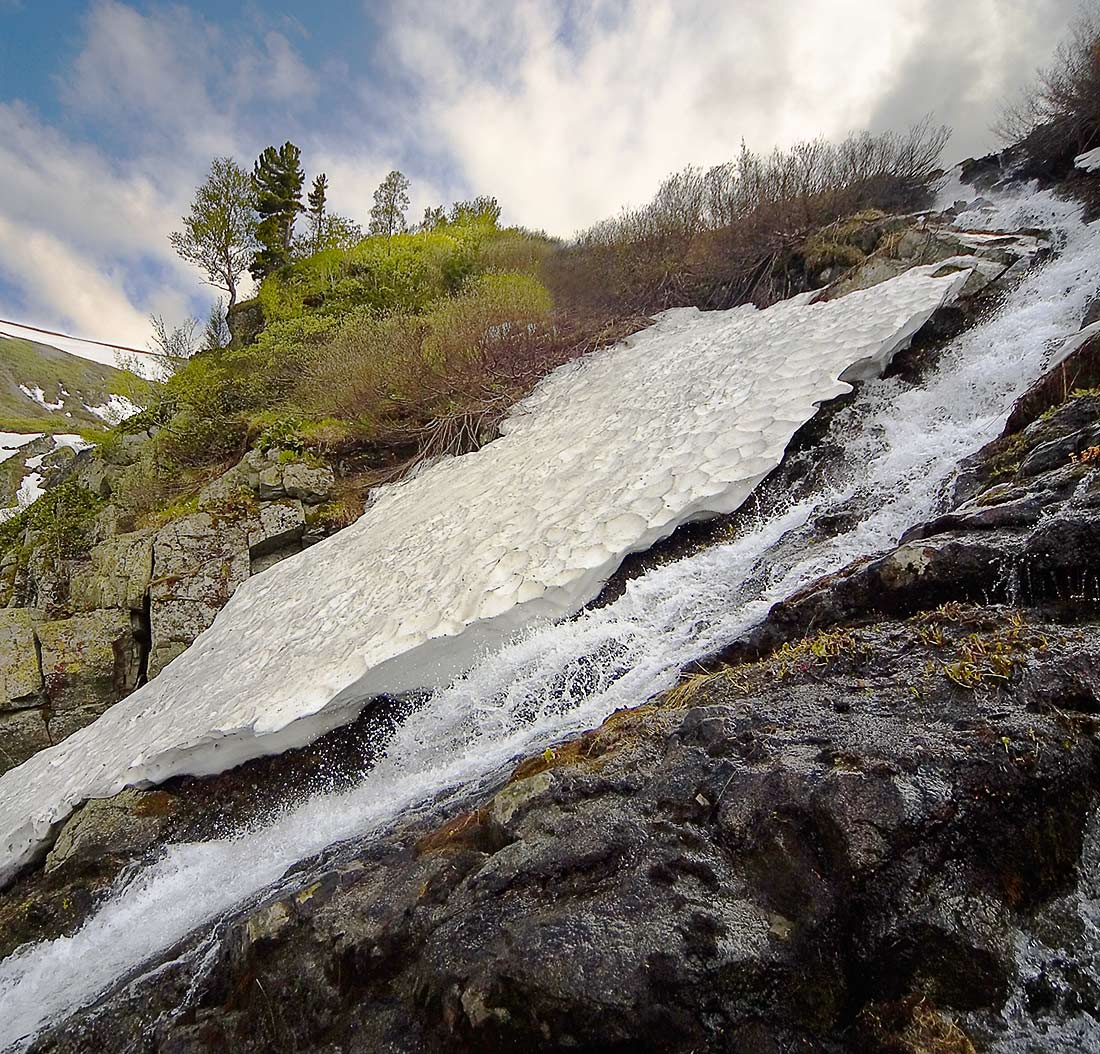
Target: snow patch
x=30, y=490
x=11, y=442
x=606, y=457
x=117, y=408
x=30, y=487
x=37, y=395
x=73, y=441
x=1088, y=162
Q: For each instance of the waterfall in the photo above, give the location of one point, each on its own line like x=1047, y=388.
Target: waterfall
x=901, y=444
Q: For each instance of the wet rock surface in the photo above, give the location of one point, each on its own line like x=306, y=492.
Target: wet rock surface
x=838, y=837
x=789, y=854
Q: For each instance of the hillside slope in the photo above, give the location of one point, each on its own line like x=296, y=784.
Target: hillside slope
x=43, y=389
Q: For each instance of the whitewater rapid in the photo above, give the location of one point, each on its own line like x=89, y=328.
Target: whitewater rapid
x=902, y=443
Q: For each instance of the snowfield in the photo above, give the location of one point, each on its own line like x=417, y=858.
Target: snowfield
x=606, y=457
x=116, y=409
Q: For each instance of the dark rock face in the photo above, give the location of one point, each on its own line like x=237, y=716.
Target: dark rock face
x=836, y=840
x=771, y=859
x=246, y=322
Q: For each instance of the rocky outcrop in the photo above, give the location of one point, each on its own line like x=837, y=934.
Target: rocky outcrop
x=116, y=575
x=87, y=630
x=250, y=518
x=57, y=675
x=899, y=248
x=246, y=322
x=827, y=850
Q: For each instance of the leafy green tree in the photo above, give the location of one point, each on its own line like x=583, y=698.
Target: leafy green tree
x=219, y=231
x=277, y=179
x=391, y=199
x=317, y=214
x=434, y=218
x=482, y=209
x=335, y=232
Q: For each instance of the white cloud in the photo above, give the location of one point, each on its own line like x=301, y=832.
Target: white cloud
x=65, y=283
x=568, y=113
x=85, y=233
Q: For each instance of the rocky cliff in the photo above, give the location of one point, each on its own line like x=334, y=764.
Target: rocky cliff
x=81, y=632
x=870, y=838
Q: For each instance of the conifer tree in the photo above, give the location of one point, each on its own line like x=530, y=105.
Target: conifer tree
x=317, y=200
x=277, y=179
x=391, y=199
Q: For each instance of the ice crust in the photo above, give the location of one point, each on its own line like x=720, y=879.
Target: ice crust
x=607, y=456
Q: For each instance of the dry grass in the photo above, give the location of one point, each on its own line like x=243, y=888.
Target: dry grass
x=911, y=1026
x=734, y=233
x=1058, y=116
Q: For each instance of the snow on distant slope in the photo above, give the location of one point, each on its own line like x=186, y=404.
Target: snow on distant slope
x=12, y=442
x=607, y=456
x=37, y=395
x=50, y=390
x=29, y=488
x=117, y=408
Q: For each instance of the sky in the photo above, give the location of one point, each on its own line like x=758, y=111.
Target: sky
x=565, y=110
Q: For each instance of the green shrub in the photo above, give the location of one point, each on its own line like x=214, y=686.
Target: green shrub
x=59, y=522
x=405, y=273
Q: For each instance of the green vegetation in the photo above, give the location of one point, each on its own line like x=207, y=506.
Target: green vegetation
x=59, y=523
x=277, y=179
x=391, y=199
x=810, y=655
x=989, y=660
x=219, y=230
x=87, y=383
x=389, y=350
x=413, y=344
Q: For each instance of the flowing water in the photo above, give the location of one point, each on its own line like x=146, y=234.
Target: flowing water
x=902, y=443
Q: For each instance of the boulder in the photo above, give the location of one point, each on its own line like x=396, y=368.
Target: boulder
x=117, y=574
x=198, y=563
x=246, y=322
x=824, y=851
x=989, y=256
x=278, y=524
x=23, y=733
x=89, y=662
x=49, y=580
x=20, y=674
x=270, y=476
x=311, y=483
x=129, y=821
